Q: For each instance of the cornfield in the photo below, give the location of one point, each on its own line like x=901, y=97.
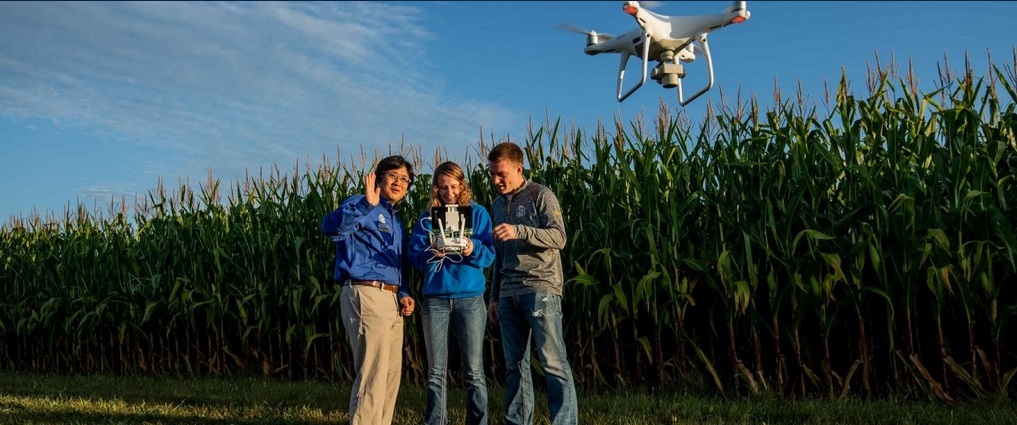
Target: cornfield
x=865, y=249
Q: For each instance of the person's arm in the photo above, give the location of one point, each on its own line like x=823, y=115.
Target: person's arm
x=551, y=233
x=495, y=293
x=420, y=244
x=482, y=255
x=346, y=219
x=406, y=302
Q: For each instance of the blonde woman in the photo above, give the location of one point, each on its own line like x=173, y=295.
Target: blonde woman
x=453, y=296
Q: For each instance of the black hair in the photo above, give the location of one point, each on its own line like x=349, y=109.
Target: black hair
x=391, y=163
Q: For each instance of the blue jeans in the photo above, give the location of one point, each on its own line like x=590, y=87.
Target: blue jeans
x=469, y=317
x=537, y=314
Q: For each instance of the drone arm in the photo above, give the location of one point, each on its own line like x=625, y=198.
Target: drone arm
x=624, y=62
x=709, y=68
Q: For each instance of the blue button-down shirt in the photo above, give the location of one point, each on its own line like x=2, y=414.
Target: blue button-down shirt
x=369, y=242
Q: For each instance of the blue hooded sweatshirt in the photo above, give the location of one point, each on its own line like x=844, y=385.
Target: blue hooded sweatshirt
x=463, y=279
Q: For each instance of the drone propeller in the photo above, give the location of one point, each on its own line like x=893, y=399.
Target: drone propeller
x=573, y=28
x=592, y=37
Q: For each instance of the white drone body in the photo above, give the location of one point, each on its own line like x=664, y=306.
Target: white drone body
x=672, y=40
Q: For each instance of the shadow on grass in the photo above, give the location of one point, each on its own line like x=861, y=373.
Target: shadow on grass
x=88, y=399
x=64, y=418
x=202, y=392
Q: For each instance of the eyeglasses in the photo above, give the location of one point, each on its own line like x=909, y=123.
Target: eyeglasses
x=394, y=176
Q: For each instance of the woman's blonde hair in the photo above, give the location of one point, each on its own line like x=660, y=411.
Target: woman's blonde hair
x=454, y=171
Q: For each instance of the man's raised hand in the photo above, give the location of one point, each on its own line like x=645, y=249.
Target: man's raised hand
x=371, y=189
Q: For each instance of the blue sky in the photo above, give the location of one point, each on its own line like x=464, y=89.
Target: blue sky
x=100, y=101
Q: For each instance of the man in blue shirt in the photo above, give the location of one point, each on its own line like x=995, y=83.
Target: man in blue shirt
x=369, y=246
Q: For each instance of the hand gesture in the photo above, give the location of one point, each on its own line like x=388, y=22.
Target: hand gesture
x=504, y=232
x=371, y=189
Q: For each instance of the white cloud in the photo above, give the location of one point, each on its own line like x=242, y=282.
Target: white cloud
x=235, y=86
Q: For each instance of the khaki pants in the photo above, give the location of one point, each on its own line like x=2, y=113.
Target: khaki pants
x=375, y=329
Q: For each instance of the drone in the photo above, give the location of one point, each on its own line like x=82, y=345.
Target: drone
x=670, y=40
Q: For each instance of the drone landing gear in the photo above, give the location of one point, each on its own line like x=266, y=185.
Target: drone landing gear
x=669, y=72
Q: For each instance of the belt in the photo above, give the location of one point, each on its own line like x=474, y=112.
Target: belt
x=376, y=284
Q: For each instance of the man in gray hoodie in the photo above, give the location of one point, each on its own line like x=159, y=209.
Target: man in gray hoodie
x=526, y=288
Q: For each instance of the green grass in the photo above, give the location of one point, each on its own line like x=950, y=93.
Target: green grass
x=104, y=399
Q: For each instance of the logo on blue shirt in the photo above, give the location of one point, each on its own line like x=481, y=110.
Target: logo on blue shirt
x=382, y=226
